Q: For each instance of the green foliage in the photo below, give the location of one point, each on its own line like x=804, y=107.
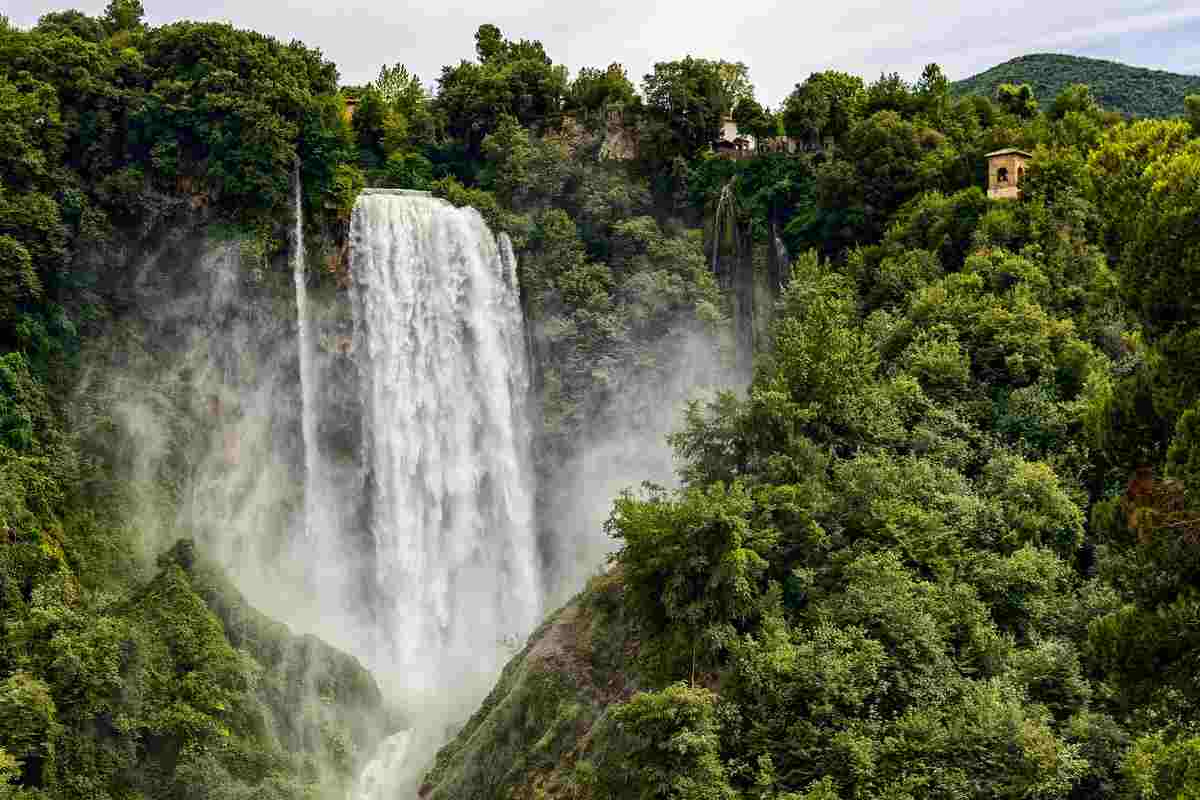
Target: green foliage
x=595, y=89
x=696, y=564
x=31, y=725
x=827, y=104
x=1019, y=101
x=1157, y=768
x=753, y=119
x=666, y=746
x=514, y=78
x=687, y=100
x=882, y=554
x=400, y=88
x=1160, y=264
x=123, y=15
x=944, y=546
x=1131, y=90
x=1183, y=457
x=1076, y=98
x=145, y=691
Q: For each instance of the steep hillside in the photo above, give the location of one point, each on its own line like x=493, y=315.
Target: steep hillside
x=1118, y=87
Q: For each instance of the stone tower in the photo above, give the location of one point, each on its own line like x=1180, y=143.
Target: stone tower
x=1006, y=170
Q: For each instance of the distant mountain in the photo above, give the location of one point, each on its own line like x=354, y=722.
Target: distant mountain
x=1118, y=87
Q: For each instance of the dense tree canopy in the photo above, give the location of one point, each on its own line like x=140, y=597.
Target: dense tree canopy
x=1129, y=90
x=827, y=104
x=944, y=545
x=689, y=99
x=515, y=78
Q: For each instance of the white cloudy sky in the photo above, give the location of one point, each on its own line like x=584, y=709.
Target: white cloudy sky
x=782, y=41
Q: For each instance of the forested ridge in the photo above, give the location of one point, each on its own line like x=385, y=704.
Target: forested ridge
x=947, y=544
x=1135, y=91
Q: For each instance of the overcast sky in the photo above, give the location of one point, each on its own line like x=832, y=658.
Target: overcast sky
x=782, y=41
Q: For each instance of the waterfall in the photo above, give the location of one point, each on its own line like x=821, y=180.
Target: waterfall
x=308, y=413
x=735, y=270
x=442, y=364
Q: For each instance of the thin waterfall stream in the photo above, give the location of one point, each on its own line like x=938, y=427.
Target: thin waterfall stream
x=308, y=412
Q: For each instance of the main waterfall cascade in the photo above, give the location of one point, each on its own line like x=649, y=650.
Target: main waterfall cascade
x=441, y=354
x=362, y=469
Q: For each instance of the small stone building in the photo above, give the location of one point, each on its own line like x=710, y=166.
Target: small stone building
x=732, y=140
x=1006, y=170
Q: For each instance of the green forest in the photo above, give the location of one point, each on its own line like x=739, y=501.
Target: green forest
x=1135, y=91
x=945, y=545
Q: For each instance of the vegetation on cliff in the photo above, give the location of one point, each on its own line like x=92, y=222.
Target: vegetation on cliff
x=946, y=545
x=118, y=677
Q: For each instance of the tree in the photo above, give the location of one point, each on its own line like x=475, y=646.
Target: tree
x=753, y=119
x=665, y=746
x=889, y=93
x=489, y=43
x=1075, y=98
x=689, y=100
x=594, y=88
x=516, y=78
x=1161, y=264
x=895, y=160
x=735, y=83
x=1017, y=100
x=123, y=15
x=826, y=105
x=1191, y=107
x=933, y=91
x=400, y=88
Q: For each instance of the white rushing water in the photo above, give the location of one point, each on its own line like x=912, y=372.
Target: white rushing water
x=444, y=379
x=306, y=355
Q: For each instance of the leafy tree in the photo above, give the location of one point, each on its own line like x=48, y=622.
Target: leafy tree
x=753, y=119
x=515, y=78
x=933, y=90
x=889, y=93
x=667, y=747
x=123, y=15
x=400, y=89
x=1191, y=108
x=827, y=104
x=1075, y=98
x=595, y=88
x=1160, y=265
x=689, y=99
x=1017, y=100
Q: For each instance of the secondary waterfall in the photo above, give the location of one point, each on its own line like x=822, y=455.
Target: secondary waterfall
x=441, y=355
x=308, y=418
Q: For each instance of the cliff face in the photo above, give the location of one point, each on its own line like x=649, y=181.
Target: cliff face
x=539, y=732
